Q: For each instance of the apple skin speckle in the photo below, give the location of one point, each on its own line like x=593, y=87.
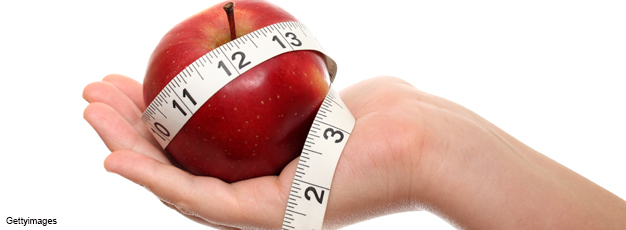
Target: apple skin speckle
x=246, y=109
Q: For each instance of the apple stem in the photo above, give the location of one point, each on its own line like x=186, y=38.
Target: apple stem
x=230, y=13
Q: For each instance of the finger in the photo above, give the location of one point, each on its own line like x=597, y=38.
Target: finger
x=128, y=86
x=265, y=198
x=359, y=96
x=117, y=133
x=251, y=203
x=109, y=94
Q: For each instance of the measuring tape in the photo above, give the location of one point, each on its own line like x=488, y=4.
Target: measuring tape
x=198, y=82
x=314, y=174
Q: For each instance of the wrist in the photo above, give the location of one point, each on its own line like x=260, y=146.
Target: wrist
x=461, y=161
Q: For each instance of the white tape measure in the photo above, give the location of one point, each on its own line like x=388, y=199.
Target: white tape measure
x=314, y=174
x=198, y=82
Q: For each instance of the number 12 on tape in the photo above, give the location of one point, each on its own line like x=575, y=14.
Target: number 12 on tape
x=314, y=174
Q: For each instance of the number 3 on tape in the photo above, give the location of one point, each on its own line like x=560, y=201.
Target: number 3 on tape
x=314, y=174
x=198, y=82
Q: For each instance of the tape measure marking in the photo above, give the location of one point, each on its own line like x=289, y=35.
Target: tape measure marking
x=325, y=141
x=199, y=81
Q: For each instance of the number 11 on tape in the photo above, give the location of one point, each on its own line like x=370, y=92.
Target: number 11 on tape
x=314, y=174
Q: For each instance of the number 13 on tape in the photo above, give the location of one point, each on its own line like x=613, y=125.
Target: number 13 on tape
x=204, y=77
x=314, y=174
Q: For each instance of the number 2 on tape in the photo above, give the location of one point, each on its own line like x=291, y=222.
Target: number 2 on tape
x=198, y=82
x=310, y=188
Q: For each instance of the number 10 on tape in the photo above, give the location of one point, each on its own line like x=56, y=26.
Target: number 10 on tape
x=314, y=174
x=204, y=77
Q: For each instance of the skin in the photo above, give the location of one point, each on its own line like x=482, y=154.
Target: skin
x=408, y=151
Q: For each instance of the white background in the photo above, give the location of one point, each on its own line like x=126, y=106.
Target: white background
x=551, y=73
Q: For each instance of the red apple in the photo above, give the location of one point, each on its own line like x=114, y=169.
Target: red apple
x=258, y=122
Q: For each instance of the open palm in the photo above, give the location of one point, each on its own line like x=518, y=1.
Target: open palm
x=367, y=181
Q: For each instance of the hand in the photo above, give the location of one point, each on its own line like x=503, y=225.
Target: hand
x=408, y=150
x=371, y=178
